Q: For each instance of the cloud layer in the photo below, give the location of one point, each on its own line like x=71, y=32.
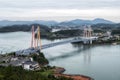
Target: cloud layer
x=59, y=9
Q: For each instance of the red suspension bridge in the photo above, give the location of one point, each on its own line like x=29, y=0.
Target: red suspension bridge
x=37, y=45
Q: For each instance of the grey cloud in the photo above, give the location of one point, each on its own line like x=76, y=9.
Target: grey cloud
x=32, y=9
x=66, y=4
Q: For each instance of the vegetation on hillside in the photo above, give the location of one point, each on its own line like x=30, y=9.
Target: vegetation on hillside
x=117, y=31
x=18, y=73
x=66, y=33
x=106, y=26
x=46, y=31
x=40, y=58
x=26, y=28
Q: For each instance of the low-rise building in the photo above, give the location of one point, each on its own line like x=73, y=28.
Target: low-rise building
x=31, y=65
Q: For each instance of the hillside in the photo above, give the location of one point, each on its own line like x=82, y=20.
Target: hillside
x=79, y=22
x=71, y=23
x=9, y=23
x=26, y=28
x=106, y=26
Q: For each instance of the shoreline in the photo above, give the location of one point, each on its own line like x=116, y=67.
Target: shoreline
x=59, y=72
x=74, y=76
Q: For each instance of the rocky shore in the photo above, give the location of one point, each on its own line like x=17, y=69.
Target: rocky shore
x=58, y=72
x=74, y=77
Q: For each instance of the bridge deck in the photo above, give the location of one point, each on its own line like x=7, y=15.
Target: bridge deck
x=32, y=50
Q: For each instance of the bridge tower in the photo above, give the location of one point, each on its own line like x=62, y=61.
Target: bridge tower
x=33, y=38
x=39, y=38
x=87, y=31
x=36, y=41
x=87, y=34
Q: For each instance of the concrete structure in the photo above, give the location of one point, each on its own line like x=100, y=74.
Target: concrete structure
x=37, y=49
x=31, y=65
x=35, y=42
x=87, y=31
x=18, y=61
x=26, y=62
x=87, y=34
x=86, y=39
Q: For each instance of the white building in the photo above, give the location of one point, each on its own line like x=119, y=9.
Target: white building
x=30, y=65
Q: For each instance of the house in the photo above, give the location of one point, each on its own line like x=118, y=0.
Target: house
x=31, y=65
x=6, y=59
x=18, y=61
x=14, y=58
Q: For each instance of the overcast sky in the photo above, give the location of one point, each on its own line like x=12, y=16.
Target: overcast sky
x=59, y=10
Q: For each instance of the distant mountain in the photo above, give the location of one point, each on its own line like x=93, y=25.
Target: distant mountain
x=9, y=23
x=99, y=21
x=72, y=23
x=78, y=22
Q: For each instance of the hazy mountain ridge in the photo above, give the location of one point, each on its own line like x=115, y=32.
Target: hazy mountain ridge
x=9, y=23
x=76, y=22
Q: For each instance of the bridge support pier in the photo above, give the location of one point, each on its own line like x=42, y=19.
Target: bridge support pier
x=90, y=41
x=87, y=41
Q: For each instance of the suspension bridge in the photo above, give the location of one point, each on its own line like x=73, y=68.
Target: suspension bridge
x=37, y=45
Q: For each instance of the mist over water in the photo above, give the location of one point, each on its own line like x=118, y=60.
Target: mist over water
x=98, y=61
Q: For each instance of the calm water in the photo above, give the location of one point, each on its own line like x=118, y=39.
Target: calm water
x=102, y=62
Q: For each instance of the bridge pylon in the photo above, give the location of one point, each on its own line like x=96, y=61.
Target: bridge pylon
x=36, y=40
x=33, y=38
x=87, y=31
x=87, y=34
x=39, y=44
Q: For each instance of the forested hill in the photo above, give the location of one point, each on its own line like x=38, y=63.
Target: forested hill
x=106, y=26
x=25, y=28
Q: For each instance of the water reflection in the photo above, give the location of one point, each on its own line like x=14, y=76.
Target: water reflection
x=87, y=54
x=85, y=49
